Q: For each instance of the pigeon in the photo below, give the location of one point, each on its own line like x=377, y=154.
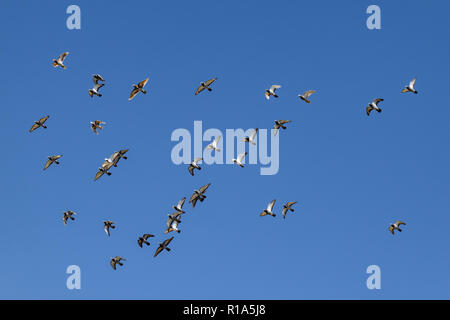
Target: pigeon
x=410, y=87
x=287, y=207
x=373, y=106
x=117, y=260
x=51, y=160
x=96, y=125
x=305, y=96
x=214, y=145
x=198, y=195
x=239, y=159
x=39, y=123
x=138, y=88
x=271, y=91
x=252, y=137
x=172, y=222
x=205, y=85
x=143, y=239
x=194, y=165
x=395, y=226
x=269, y=209
x=163, y=246
x=68, y=215
x=108, y=224
x=59, y=61
x=280, y=124
x=106, y=165
x=179, y=206
x=116, y=156
x=94, y=91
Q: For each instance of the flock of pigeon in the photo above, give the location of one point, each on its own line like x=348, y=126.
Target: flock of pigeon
x=174, y=219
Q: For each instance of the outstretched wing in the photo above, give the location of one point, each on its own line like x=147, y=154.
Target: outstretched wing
x=98, y=175
x=254, y=134
x=133, y=93
x=208, y=82
x=376, y=101
x=291, y=203
x=412, y=83
x=180, y=204
x=203, y=189
x=274, y=87
x=47, y=164
x=147, y=235
x=98, y=86
x=143, y=83
x=191, y=170
x=63, y=56
x=241, y=156
x=368, y=110
x=158, y=250
x=42, y=120
x=113, y=264
x=199, y=89
x=284, y=121
x=270, y=206
x=398, y=223
x=34, y=127
x=167, y=241
x=308, y=93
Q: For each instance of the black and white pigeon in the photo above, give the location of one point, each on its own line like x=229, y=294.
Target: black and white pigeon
x=108, y=224
x=59, y=61
x=373, y=106
x=194, y=165
x=251, y=138
x=179, y=206
x=410, y=87
x=280, y=124
x=97, y=85
x=271, y=91
x=396, y=226
x=269, y=209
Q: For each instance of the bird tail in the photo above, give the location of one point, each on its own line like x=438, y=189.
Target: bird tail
x=209, y=89
x=99, y=94
x=108, y=173
x=144, y=91
x=307, y=101
x=400, y=230
x=57, y=162
x=379, y=110
x=274, y=215
x=275, y=96
x=168, y=249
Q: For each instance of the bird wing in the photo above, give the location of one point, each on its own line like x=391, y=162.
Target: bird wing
x=262, y=214
x=199, y=89
x=147, y=235
x=405, y=90
x=56, y=157
x=98, y=175
x=270, y=206
x=196, y=160
x=191, y=170
x=133, y=93
x=158, y=250
x=216, y=140
x=241, y=156
x=412, y=83
x=398, y=223
x=142, y=83
x=42, y=120
x=267, y=94
x=391, y=229
x=63, y=56
x=284, y=121
x=193, y=197
x=47, y=164
x=97, y=77
x=274, y=87
x=208, y=82
x=167, y=241
x=368, y=109
x=377, y=100
x=291, y=203
x=140, y=242
x=254, y=134
x=284, y=212
x=98, y=86
x=308, y=93
x=122, y=152
x=113, y=264
x=180, y=204
x=203, y=189
x=34, y=127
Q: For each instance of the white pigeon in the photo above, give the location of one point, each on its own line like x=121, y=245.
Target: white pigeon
x=410, y=87
x=252, y=137
x=239, y=159
x=94, y=91
x=194, y=165
x=271, y=91
x=214, y=145
x=269, y=209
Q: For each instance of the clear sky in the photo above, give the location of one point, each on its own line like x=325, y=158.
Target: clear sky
x=352, y=175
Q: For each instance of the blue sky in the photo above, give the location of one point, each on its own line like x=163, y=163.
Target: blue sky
x=351, y=174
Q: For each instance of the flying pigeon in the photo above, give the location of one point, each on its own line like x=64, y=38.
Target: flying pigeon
x=287, y=207
x=280, y=124
x=214, y=145
x=108, y=224
x=172, y=222
x=106, y=165
x=205, y=85
x=94, y=91
x=373, y=106
x=39, y=123
x=59, y=61
x=194, y=165
x=143, y=239
x=51, y=160
x=239, y=159
x=68, y=215
x=395, y=226
x=252, y=137
x=138, y=88
x=179, y=206
x=117, y=260
x=198, y=195
x=97, y=124
x=269, y=209
x=163, y=246
x=271, y=91
x=410, y=87
x=305, y=96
